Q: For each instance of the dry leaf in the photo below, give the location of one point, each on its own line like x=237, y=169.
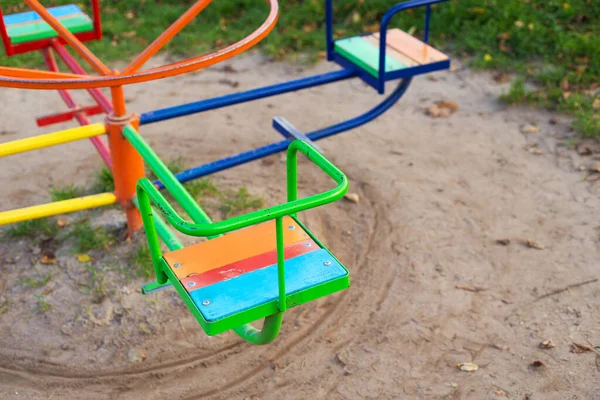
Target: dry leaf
x=62, y=222
x=533, y=245
x=547, y=344
x=579, y=348
x=48, y=259
x=537, y=364
x=596, y=105
x=564, y=84
x=588, y=147
x=529, y=128
x=595, y=168
x=534, y=150
x=519, y=24
x=467, y=367
x=353, y=197
x=499, y=392
x=501, y=78
x=442, y=109
x=82, y=258
x=503, y=242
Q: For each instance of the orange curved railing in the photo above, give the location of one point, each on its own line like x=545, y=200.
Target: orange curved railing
x=35, y=79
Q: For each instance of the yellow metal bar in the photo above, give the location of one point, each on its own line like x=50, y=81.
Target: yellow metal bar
x=56, y=208
x=51, y=139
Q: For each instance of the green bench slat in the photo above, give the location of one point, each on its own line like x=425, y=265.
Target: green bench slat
x=365, y=55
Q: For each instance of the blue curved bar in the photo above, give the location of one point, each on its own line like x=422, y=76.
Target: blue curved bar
x=385, y=21
x=273, y=148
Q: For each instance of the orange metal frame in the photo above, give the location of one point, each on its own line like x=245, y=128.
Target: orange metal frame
x=127, y=163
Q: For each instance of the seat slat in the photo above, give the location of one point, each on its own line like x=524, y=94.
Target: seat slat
x=412, y=47
x=29, y=26
x=232, y=247
x=227, y=298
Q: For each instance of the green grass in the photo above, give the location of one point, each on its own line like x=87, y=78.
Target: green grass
x=33, y=229
x=42, y=304
x=235, y=202
x=65, y=192
x=98, y=287
x=34, y=283
x=141, y=263
x=88, y=238
x=552, y=44
x=201, y=187
x=104, y=181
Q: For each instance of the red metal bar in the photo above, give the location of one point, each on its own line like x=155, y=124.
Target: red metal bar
x=68, y=115
x=5, y=39
x=97, y=20
x=75, y=67
x=80, y=117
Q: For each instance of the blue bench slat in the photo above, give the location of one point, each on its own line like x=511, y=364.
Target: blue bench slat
x=31, y=16
x=259, y=287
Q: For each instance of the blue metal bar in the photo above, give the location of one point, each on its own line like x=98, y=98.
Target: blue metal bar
x=385, y=21
x=329, y=28
x=236, y=98
x=427, y=21
x=273, y=148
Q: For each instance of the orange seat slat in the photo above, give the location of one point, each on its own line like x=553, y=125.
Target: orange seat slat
x=412, y=47
x=232, y=247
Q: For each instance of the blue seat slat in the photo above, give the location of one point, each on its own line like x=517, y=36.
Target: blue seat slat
x=260, y=287
x=31, y=16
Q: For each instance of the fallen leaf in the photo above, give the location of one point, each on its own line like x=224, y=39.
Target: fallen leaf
x=537, y=364
x=533, y=245
x=595, y=168
x=588, y=147
x=519, y=24
x=529, y=128
x=499, y=392
x=564, y=84
x=547, y=344
x=83, y=258
x=596, y=104
x=48, y=259
x=501, y=78
x=353, y=197
x=62, y=222
x=467, y=367
x=130, y=14
x=579, y=348
x=503, y=242
x=442, y=109
x=534, y=150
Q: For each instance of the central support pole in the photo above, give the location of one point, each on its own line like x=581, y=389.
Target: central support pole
x=128, y=165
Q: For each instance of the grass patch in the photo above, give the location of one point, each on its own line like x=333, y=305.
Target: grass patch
x=97, y=284
x=33, y=229
x=236, y=202
x=34, y=283
x=42, y=304
x=65, y=193
x=141, y=262
x=104, y=181
x=201, y=187
x=89, y=238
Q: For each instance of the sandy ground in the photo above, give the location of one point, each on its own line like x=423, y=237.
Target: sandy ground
x=435, y=196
